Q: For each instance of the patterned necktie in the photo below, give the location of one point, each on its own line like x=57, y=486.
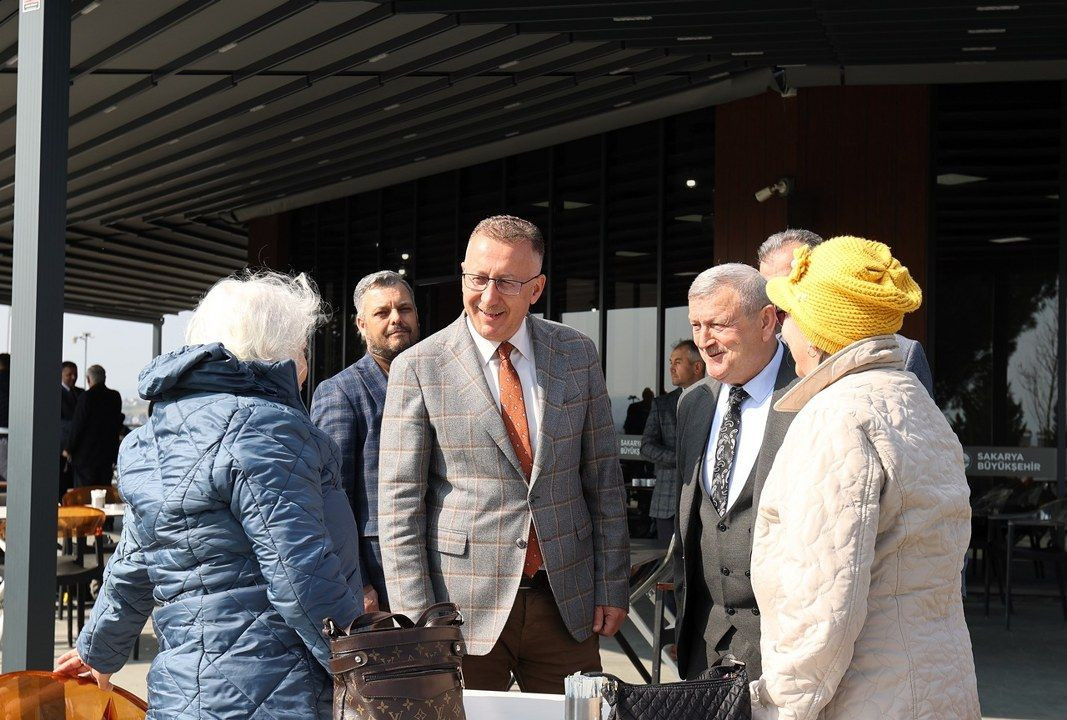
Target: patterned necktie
x=724, y=449
x=513, y=410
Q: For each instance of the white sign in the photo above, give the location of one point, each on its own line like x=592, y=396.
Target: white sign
x=31, y=5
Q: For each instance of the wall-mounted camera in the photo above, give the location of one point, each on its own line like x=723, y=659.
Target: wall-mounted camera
x=781, y=83
x=782, y=188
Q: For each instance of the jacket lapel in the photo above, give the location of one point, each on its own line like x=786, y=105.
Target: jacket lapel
x=698, y=429
x=551, y=381
x=777, y=425
x=464, y=369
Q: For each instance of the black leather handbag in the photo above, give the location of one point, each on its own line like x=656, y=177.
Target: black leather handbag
x=720, y=693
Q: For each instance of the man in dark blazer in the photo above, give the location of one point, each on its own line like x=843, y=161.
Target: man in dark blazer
x=775, y=260
x=500, y=488
x=728, y=435
x=348, y=407
x=93, y=443
x=68, y=401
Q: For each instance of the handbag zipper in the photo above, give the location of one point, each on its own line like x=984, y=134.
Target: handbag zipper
x=409, y=672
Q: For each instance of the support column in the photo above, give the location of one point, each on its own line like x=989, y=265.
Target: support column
x=37, y=314
x=157, y=338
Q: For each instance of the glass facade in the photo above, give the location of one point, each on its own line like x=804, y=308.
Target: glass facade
x=627, y=219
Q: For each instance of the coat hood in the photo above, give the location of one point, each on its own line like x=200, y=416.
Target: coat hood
x=213, y=368
x=880, y=351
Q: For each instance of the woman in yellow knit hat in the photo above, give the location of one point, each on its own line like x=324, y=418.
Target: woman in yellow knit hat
x=864, y=519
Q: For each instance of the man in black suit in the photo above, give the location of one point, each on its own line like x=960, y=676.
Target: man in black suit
x=68, y=400
x=5, y=399
x=728, y=434
x=93, y=442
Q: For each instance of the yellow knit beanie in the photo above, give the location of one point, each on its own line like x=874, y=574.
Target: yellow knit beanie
x=845, y=289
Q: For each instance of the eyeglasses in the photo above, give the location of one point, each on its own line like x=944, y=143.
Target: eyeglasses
x=479, y=283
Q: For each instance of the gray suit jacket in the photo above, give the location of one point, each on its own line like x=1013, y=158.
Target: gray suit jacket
x=454, y=506
x=658, y=445
x=720, y=611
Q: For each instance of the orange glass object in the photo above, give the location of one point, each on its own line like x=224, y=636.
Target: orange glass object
x=83, y=495
x=36, y=695
x=73, y=522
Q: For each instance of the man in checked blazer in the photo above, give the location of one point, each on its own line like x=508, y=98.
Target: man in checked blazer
x=500, y=488
x=728, y=434
x=348, y=407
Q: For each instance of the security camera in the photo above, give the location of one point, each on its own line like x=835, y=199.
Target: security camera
x=781, y=83
x=781, y=188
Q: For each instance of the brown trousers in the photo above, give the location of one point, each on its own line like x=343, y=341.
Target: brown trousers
x=536, y=646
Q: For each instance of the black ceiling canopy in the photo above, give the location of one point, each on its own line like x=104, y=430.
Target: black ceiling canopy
x=184, y=112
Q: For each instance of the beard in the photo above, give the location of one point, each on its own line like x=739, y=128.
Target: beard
x=380, y=347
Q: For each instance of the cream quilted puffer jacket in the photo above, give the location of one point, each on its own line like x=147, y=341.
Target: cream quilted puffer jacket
x=858, y=548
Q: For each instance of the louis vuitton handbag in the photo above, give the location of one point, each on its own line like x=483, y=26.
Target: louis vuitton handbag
x=719, y=693
x=386, y=667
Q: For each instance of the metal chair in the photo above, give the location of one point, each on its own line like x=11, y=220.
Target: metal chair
x=1045, y=529
x=36, y=694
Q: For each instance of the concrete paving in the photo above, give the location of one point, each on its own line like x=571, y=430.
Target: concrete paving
x=1022, y=672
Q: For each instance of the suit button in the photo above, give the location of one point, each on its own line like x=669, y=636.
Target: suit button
x=755, y=611
x=722, y=527
x=725, y=570
x=520, y=543
x=730, y=611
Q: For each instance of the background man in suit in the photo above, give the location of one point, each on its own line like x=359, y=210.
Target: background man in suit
x=776, y=260
x=68, y=401
x=5, y=406
x=348, y=407
x=500, y=488
x=658, y=443
x=728, y=434
x=93, y=443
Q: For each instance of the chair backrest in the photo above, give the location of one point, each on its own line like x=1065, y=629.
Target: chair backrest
x=73, y=523
x=36, y=694
x=83, y=495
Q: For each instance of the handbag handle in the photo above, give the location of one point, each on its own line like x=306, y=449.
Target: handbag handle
x=440, y=614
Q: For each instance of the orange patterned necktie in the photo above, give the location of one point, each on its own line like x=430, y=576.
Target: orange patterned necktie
x=513, y=410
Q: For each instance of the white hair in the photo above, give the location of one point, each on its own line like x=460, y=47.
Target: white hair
x=743, y=279
x=258, y=315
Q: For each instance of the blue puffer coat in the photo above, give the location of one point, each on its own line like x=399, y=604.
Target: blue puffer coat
x=238, y=534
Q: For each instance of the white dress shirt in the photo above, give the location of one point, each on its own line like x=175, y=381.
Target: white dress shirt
x=522, y=357
x=754, y=411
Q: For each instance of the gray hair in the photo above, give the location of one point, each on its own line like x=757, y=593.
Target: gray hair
x=96, y=374
x=380, y=279
x=510, y=229
x=743, y=279
x=691, y=350
x=792, y=236
x=261, y=315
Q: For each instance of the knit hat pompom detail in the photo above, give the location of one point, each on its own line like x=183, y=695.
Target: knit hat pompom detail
x=845, y=289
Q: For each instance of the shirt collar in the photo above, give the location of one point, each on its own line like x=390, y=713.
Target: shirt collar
x=760, y=387
x=487, y=348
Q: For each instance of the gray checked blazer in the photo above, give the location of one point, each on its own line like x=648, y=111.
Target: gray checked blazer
x=454, y=508
x=658, y=445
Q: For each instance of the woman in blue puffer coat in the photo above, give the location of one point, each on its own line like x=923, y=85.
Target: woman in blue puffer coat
x=238, y=538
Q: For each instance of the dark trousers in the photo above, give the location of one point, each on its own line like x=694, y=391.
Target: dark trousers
x=536, y=646
x=85, y=475
x=664, y=531
x=370, y=557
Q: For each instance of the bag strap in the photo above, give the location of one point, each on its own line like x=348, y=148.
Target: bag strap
x=440, y=614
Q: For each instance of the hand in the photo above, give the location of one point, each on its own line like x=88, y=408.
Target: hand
x=607, y=620
x=71, y=664
x=370, y=599
x=66, y=455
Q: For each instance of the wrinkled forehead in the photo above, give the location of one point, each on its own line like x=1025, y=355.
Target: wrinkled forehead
x=721, y=306
x=388, y=297
x=501, y=258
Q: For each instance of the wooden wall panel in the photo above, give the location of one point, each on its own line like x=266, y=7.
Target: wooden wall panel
x=860, y=158
x=268, y=241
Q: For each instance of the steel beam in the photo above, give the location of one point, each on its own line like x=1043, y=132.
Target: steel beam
x=37, y=316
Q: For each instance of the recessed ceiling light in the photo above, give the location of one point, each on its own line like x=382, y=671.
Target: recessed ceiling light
x=686, y=273
x=324, y=162
x=629, y=253
x=987, y=31
x=958, y=179
x=401, y=271
x=11, y=61
x=509, y=63
x=110, y=109
x=89, y=8
x=420, y=158
x=716, y=76
x=996, y=8
x=1053, y=197
x=512, y=133
x=409, y=136
x=1006, y=240
x=378, y=57
x=257, y=108
x=632, y=18
x=513, y=105
x=624, y=103
x=405, y=256
x=690, y=183
x=747, y=53
x=227, y=47
x=542, y=203
x=689, y=218
x=574, y=205
x=394, y=106
x=347, y=177
x=694, y=38
x=298, y=138
x=619, y=71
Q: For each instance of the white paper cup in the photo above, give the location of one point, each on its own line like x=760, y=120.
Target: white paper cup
x=98, y=498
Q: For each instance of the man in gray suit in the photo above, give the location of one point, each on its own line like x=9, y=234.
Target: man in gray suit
x=728, y=435
x=776, y=260
x=499, y=482
x=658, y=443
